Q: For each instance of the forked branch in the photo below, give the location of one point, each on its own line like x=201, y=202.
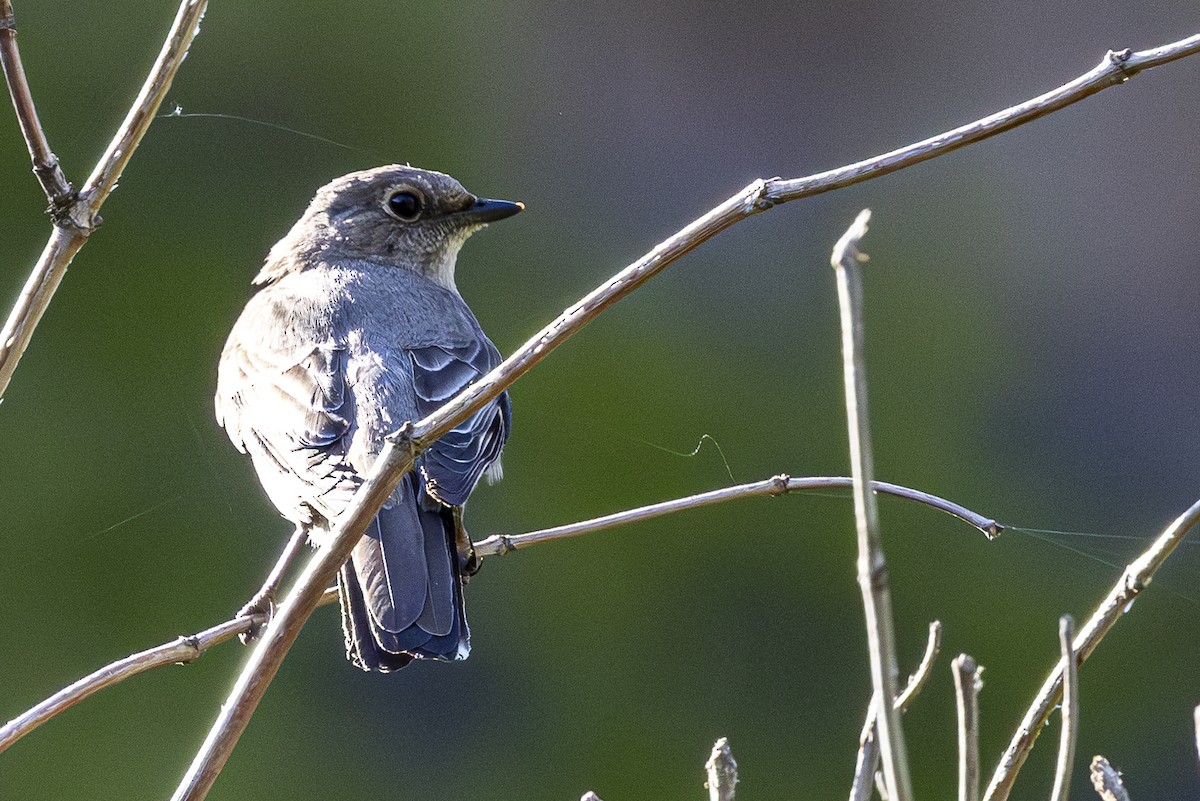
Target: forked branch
x=77, y=215
x=867, y=763
x=186, y=649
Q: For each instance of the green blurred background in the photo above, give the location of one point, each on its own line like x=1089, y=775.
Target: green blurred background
x=1031, y=322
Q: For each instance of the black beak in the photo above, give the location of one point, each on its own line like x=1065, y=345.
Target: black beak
x=486, y=211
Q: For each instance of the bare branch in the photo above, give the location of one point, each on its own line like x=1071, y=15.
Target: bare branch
x=868, y=744
x=1070, y=711
x=872, y=568
x=1136, y=577
x=967, y=684
x=176, y=652
x=501, y=544
x=58, y=189
x=397, y=458
x=1107, y=780
x=722, y=772
x=1115, y=68
x=76, y=219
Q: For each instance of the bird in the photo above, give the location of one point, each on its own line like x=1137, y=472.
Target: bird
x=358, y=327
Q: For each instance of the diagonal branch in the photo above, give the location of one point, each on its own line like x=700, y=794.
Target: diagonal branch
x=177, y=652
x=398, y=456
x=76, y=219
x=185, y=649
x=1136, y=577
x=1114, y=69
x=58, y=189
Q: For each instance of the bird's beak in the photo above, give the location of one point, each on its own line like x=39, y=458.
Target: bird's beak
x=486, y=211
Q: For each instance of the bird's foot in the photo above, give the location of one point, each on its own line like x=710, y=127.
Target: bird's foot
x=262, y=608
x=469, y=561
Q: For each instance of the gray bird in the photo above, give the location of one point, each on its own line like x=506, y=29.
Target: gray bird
x=358, y=328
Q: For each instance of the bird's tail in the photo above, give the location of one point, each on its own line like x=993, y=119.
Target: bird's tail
x=401, y=590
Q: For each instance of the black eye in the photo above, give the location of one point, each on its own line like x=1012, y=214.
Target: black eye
x=406, y=205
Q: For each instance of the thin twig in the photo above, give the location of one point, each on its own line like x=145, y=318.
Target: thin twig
x=920, y=677
x=967, y=684
x=722, y=772
x=58, y=189
x=76, y=220
x=1129, y=586
x=1107, y=781
x=1197, y=716
x=245, y=623
x=176, y=652
x=1070, y=711
x=872, y=567
x=397, y=458
x=501, y=544
x=868, y=743
x=1115, y=68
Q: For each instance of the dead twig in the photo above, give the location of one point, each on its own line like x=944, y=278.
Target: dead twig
x=1070, y=711
x=967, y=684
x=1107, y=781
x=1197, y=716
x=722, y=772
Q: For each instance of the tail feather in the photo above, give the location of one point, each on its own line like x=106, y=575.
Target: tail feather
x=401, y=591
x=361, y=647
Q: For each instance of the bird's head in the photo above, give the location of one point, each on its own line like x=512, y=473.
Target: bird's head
x=395, y=216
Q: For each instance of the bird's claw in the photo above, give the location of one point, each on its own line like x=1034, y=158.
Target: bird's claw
x=469, y=562
x=261, y=607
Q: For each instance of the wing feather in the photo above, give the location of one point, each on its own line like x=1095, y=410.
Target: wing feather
x=457, y=460
x=283, y=400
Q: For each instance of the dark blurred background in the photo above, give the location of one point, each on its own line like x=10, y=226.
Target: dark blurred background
x=1031, y=324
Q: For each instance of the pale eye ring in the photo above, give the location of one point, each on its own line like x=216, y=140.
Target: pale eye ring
x=405, y=205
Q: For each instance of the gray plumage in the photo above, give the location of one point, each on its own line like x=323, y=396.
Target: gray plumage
x=359, y=328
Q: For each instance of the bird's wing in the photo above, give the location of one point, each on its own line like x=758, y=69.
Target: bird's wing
x=282, y=398
x=456, y=461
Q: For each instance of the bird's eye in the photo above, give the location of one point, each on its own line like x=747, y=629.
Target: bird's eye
x=406, y=205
